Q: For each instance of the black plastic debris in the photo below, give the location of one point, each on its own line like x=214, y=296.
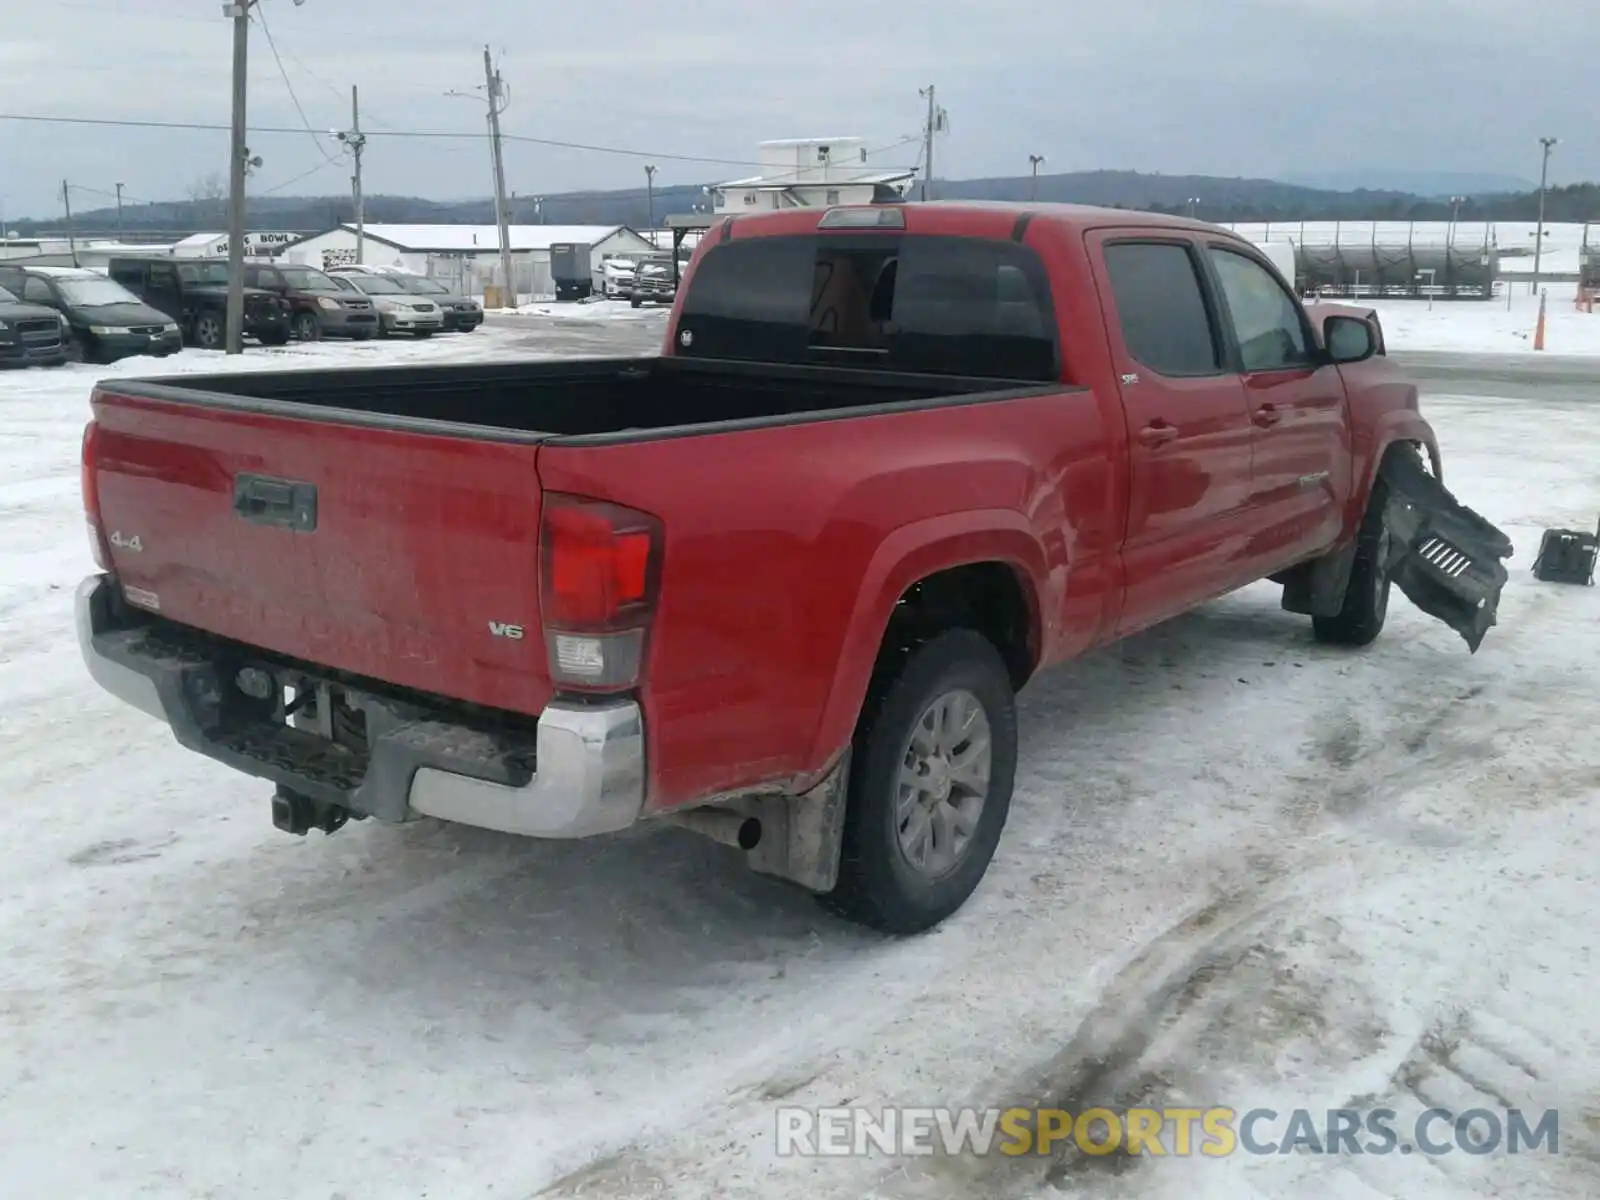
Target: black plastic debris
x=1567, y=556
x=1442, y=555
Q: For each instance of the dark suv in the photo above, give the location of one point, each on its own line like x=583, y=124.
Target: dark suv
x=194, y=293
x=29, y=333
x=317, y=305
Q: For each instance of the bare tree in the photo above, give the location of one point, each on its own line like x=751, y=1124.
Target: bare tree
x=206, y=196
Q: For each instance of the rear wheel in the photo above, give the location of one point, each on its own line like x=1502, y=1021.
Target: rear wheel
x=1366, y=596
x=933, y=764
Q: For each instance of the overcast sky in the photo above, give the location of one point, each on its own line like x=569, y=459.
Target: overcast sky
x=1226, y=87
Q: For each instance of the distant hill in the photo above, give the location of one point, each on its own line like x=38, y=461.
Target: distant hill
x=1428, y=184
x=1221, y=200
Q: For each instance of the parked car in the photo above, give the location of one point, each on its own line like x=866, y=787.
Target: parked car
x=654, y=281
x=780, y=584
x=318, y=306
x=30, y=334
x=105, y=321
x=398, y=310
x=616, y=278
x=462, y=314
x=194, y=294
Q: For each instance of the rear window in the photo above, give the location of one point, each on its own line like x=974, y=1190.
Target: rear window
x=939, y=305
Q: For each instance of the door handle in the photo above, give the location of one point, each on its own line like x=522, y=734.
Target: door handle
x=1267, y=414
x=1158, y=433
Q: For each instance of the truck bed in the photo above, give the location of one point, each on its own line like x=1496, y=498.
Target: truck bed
x=594, y=399
x=378, y=522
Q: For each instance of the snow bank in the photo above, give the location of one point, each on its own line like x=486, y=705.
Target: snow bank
x=595, y=310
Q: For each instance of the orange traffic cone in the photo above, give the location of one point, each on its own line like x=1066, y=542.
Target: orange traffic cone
x=1538, y=330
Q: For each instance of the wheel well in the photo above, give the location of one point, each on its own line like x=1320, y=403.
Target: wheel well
x=987, y=597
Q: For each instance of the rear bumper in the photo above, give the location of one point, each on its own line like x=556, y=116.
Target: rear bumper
x=580, y=771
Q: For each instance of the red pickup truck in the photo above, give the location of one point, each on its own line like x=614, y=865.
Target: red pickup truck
x=781, y=582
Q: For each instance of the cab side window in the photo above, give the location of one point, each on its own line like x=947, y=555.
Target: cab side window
x=1166, y=324
x=1267, y=321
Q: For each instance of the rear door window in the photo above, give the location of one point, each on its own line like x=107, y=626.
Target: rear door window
x=939, y=305
x=1161, y=307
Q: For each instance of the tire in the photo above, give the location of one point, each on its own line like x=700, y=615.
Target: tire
x=881, y=884
x=209, y=333
x=1366, y=596
x=637, y=302
x=307, y=328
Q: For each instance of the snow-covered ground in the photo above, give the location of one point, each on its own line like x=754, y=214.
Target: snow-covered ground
x=1504, y=325
x=1241, y=869
x=592, y=310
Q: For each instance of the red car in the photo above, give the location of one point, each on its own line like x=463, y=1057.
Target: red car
x=782, y=582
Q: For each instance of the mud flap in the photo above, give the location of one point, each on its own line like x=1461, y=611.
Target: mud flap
x=1441, y=554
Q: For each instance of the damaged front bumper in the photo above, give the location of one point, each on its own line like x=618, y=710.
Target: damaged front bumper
x=1441, y=554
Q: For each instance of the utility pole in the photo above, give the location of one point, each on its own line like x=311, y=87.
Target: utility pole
x=1538, y=238
x=927, y=143
x=119, y=212
x=239, y=10
x=357, y=142
x=650, y=193
x=1033, y=188
x=66, y=202
x=498, y=102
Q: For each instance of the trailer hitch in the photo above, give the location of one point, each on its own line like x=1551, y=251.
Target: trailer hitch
x=1441, y=554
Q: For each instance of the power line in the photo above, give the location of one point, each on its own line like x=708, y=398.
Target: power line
x=208, y=127
x=278, y=187
x=259, y=15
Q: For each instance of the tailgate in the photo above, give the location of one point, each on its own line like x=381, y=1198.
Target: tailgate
x=393, y=554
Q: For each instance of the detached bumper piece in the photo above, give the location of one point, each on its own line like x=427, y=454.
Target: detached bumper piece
x=1441, y=554
x=338, y=748
x=1567, y=556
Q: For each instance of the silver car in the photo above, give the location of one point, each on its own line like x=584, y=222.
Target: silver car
x=462, y=314
x=398, y=310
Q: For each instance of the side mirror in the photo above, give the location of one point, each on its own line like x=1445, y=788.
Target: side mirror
x=1348, y=339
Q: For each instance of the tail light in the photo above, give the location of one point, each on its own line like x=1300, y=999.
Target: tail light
x=91, y=498
x=600, y=573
